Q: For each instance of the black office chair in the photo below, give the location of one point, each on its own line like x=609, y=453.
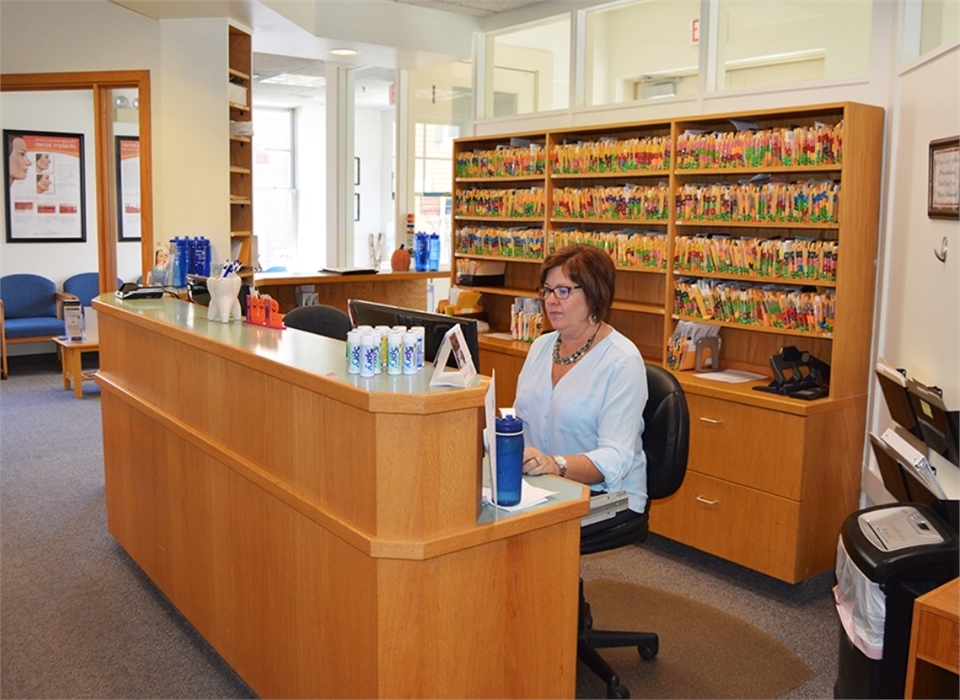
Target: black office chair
x=666, y=438
x=320, y=319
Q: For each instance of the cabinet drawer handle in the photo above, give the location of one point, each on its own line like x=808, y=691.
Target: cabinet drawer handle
x=707, y=501
x=712, y=421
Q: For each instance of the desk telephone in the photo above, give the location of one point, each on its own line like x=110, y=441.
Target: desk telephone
x=798, y=374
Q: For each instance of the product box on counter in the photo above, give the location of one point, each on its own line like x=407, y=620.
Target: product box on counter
x=480, y=273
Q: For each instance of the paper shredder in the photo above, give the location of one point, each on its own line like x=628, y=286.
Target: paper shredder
x=887, y=556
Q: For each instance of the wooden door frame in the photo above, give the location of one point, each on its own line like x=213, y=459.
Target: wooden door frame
x=102, y=83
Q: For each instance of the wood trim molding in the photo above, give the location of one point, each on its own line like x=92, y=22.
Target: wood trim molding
x=100, y=82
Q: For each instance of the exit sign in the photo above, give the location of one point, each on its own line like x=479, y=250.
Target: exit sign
x=695, y=31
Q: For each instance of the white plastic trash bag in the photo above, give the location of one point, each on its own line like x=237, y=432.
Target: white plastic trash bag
x=861, y=605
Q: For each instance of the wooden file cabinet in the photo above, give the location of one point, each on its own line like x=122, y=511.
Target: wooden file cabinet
x=933, y=666
x=768, y=481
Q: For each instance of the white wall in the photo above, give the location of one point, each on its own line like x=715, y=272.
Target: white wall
x=368, y=147
x=65, y=112
x=72, y=39
x=191, y=129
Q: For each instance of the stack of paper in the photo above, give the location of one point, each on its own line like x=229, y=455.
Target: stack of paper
x=913, y=460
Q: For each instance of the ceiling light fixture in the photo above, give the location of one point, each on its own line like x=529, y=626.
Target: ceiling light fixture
x=344, y=52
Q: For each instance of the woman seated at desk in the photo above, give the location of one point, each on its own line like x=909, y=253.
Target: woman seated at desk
x=583, y=387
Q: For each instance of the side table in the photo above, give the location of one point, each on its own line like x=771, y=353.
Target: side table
x=72, y=361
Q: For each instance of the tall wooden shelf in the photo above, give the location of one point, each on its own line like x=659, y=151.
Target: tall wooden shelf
x=241, y=150
x=770, y=477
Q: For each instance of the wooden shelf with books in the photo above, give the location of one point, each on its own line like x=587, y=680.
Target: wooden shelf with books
x=239, y=100
x=762, y=224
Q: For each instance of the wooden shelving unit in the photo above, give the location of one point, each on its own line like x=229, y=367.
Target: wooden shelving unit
x=770, y=478
x=241, y=149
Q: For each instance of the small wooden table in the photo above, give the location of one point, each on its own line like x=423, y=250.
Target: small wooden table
x=933, y=662
x=72, y=361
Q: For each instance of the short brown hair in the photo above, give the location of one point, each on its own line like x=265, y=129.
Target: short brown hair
x=589, y=267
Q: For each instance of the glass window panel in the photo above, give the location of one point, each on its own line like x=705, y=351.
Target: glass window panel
x=440, y=110
x=769, y=42
x=940, y=24
x=619, y=68
x=274, y=187
x=531, y=69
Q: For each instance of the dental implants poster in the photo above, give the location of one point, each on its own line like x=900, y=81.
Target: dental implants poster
x=45, y=186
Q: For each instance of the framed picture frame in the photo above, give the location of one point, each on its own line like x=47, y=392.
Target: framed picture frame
x=943, y=179
x=356, y=206
x=128, y=187
x=44, y=175
x=356, y=170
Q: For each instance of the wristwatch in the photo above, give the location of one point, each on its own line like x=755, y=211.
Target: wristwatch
x=562, y=463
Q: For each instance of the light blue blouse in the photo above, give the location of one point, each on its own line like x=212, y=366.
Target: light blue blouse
x=596, y=409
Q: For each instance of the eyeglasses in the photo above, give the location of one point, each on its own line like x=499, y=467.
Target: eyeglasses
x=561, y=292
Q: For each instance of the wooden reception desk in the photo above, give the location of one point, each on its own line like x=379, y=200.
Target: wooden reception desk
x=323, y=531
x=407, y=288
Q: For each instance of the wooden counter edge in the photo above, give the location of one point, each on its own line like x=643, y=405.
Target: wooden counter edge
x=374, y=402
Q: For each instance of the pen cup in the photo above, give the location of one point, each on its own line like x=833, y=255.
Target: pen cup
x=509, y=460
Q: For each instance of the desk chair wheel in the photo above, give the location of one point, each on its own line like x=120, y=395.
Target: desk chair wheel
x=620, y=691
x=649, y=650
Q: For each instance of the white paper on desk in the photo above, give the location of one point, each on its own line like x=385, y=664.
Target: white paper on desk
x=731, y=376
x=529, y=496
x=490, y=429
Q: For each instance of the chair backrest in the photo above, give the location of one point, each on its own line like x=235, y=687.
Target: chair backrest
x=26, y=295
x=666, y=443
x=666, y=433
x=320, y=319
x=85, y=286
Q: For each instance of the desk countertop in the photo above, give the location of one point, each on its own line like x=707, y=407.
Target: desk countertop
x=320, y=277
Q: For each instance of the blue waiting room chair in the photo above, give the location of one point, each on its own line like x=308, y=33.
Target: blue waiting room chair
x=85, y=286
x=30, y=311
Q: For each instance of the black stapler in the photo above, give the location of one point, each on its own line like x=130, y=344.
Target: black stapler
x=798, y=374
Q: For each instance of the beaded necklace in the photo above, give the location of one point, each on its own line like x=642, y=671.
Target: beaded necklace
x=570, y=359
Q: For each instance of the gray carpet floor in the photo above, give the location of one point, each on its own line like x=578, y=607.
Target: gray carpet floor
x=78, y=619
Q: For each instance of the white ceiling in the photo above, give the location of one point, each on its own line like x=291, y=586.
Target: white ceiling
x=303, y=55
x=372, y=84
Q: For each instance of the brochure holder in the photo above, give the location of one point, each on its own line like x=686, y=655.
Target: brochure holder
x=453, y=342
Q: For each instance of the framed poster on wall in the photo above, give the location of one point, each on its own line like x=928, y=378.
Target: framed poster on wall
x=128, y=188
x=943, y=179
x=45, y=187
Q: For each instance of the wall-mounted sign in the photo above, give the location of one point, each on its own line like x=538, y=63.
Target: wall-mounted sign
x=128, y=188
x=45, y=186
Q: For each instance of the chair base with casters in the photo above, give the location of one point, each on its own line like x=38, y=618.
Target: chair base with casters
x=666, y=444
x=633, y=528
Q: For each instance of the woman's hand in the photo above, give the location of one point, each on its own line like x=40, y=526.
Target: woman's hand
x=535, y=462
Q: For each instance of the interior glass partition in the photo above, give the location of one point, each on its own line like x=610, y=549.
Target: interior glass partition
x=788, y=41
x=940, y=24
x=529, y=69
x=642, y=51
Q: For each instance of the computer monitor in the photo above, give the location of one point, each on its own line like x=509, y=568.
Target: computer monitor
x=369, y=313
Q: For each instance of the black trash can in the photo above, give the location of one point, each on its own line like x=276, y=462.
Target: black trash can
x=887, y=556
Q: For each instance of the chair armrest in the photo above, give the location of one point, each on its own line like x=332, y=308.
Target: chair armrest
x=62, y=297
